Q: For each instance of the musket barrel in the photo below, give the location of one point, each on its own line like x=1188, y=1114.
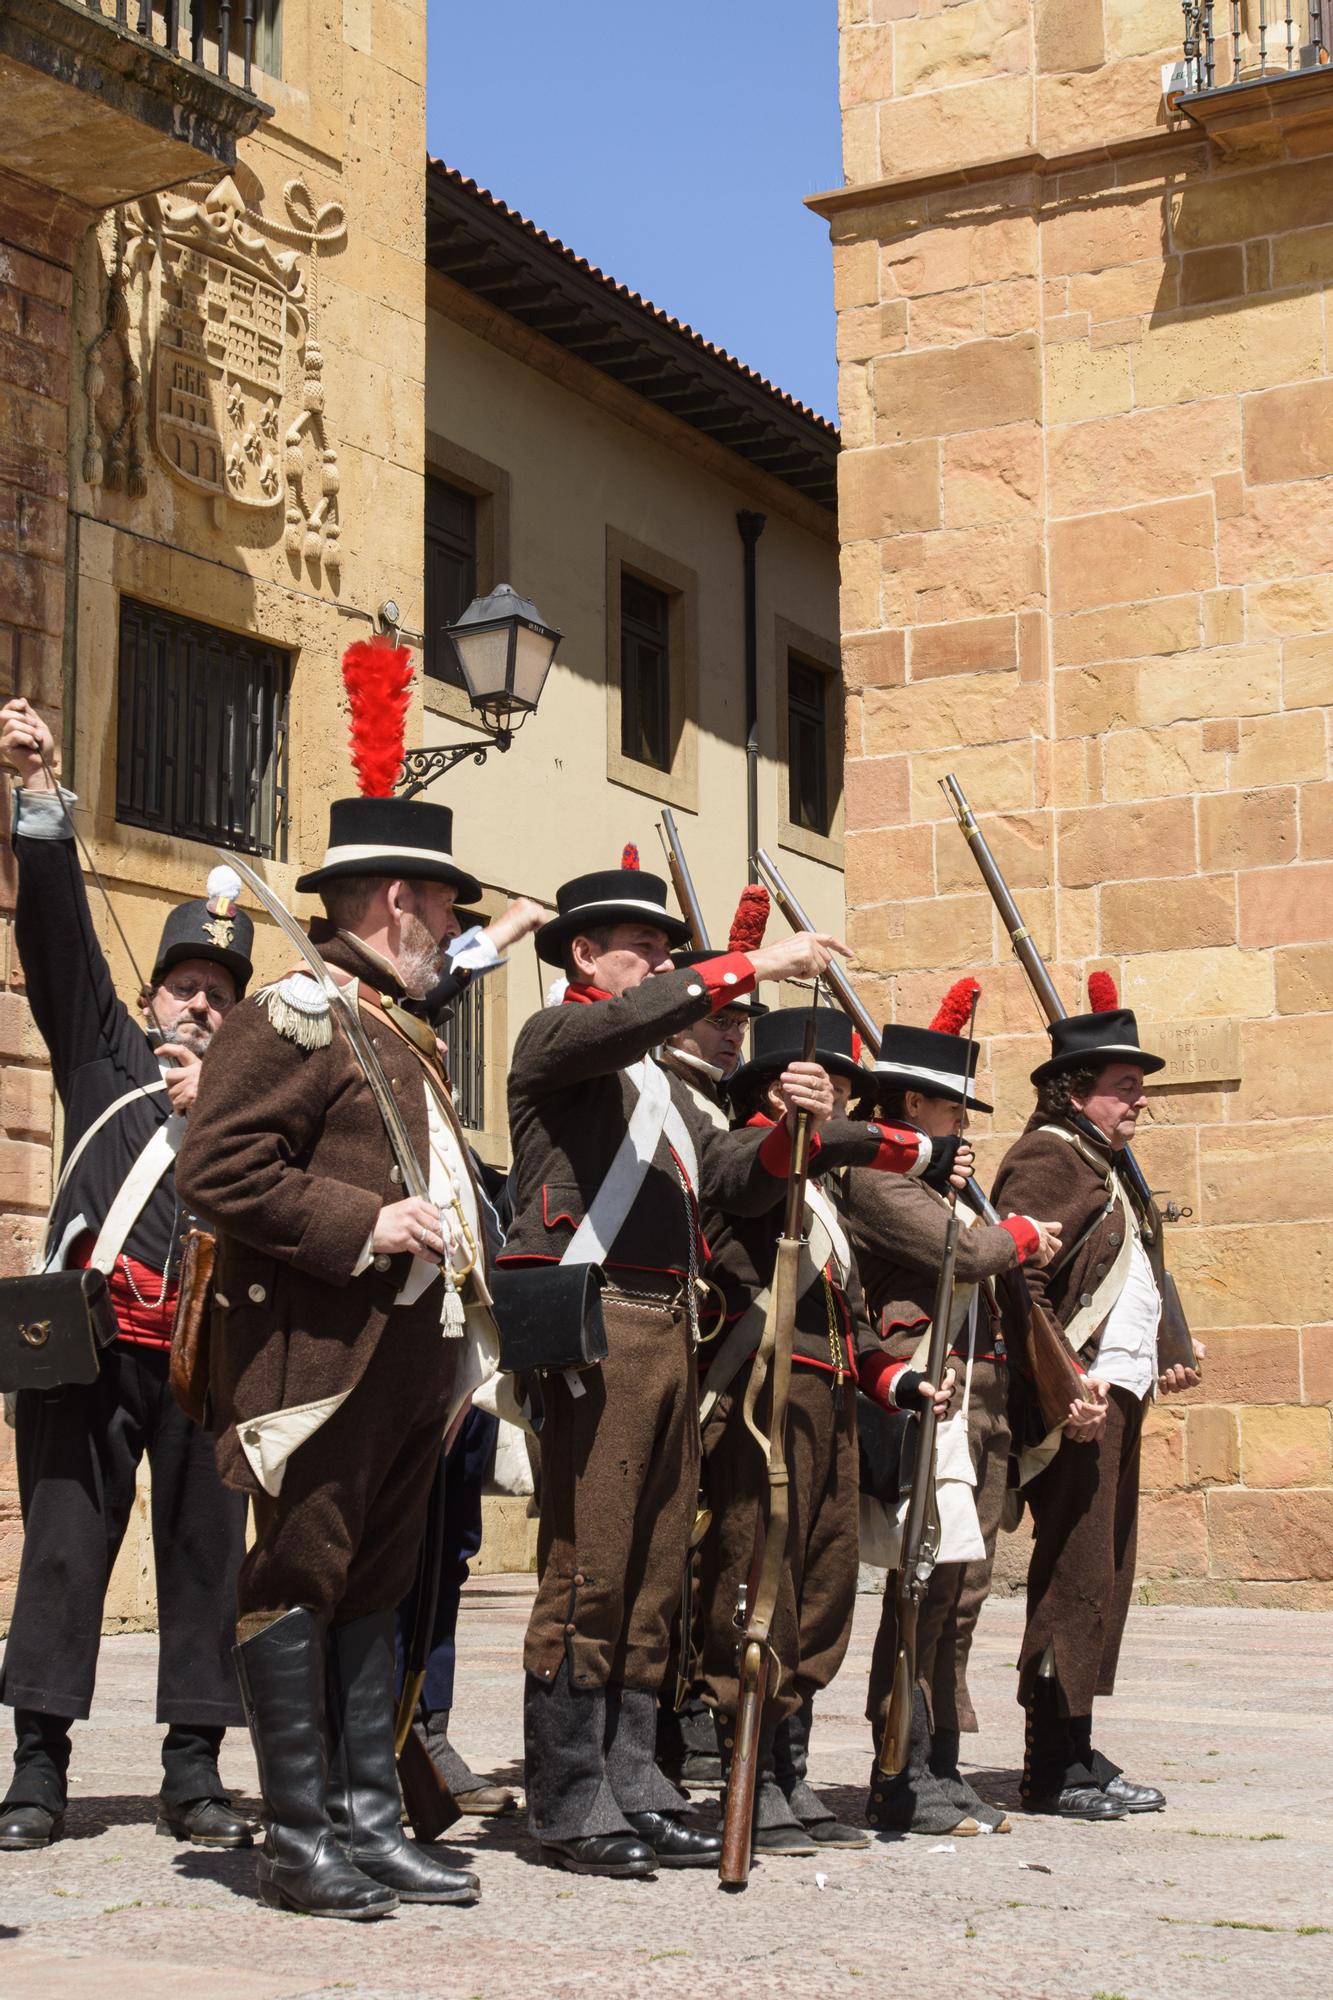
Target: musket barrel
x=681, y=880
x=839, y=985
x=1019, y=936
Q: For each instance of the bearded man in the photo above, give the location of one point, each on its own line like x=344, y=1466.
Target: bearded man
x=127, y=1093
x=347, y=1321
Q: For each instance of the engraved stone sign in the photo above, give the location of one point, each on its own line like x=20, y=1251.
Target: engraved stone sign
x=1195, y=1051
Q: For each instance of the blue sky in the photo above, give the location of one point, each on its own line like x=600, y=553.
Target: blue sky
x=669, y=144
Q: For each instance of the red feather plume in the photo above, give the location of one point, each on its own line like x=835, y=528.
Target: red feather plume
x=378, y=678
x=629, y=857
x=751, y=919
x=856, y=1046
x=1102, y=996
x=955, y=1008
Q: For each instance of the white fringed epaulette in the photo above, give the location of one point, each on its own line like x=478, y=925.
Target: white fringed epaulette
x=298, y=1007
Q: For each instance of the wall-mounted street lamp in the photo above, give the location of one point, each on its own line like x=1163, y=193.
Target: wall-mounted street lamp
x=503, y=651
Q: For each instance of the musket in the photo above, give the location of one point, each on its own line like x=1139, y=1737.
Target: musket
x=1174, y=1344
x=678, y=869
x=1055, y=1378
x=760, y=1595
x=415, y=1182
x=920, y=1547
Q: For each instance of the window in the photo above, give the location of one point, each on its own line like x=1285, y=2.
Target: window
x=645, y=673
x=466, y=1039
x=451, y=570
x=807, y=746
x=267, y=52
x=201, y=746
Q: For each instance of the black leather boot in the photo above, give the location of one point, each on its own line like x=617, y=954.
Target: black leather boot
x=300, y=1867
x=33, y=1813
x=365, y=1804
x=1056, y=1778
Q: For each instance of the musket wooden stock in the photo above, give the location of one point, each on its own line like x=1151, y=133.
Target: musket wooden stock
x=918, y=1551
x=1174, y=1343
x=772, y=1360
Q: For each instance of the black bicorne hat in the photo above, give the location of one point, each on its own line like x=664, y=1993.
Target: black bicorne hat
x=609, y=896
x=1092, y=1041
x=747, y=1004
x=211, y=927
x=410, y=840
x=779, y=1039
x=924, y=1059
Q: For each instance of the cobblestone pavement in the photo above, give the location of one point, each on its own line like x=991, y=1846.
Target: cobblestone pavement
x=1226, y=1896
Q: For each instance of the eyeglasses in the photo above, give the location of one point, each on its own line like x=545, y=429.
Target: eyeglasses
x=187, y=987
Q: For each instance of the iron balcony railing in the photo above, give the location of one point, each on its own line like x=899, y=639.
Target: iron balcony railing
x=1230, y=44
x=217, y=36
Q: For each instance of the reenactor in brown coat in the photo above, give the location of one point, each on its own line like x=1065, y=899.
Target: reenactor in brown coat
x=832, y=1343
x=1102, y=1294
x=897, y=1227
x=345, y=1321
x=611, y=1162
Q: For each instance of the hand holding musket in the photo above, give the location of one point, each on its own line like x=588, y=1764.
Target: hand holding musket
x=921, y=1529
x=1175, y=1348
x=761, y=1593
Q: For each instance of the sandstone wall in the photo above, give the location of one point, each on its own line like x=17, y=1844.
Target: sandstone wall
x=1088, y=566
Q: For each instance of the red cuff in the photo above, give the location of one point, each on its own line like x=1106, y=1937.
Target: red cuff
x=1027, y=1240
x=775, y=1153
x=725, y=979
x=902, y=1150
x=876, y=1375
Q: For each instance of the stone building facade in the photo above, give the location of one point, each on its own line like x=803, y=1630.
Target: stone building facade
x=213, y=369
x=244, y=403
x=1087, y=565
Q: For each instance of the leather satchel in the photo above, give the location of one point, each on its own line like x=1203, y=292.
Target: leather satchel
x=188, y=1372
x=549, y=1316
x=53, y=1326
x=886, y=1440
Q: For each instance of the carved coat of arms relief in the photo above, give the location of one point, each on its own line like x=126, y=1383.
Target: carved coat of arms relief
x=235, y=397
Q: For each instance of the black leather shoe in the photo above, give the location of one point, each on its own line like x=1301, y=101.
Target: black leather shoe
x=1077, y=1802
x=675, y=1844
x=25, y=1827
x=601, y=1854
x=833, y=1833
x=782, y=1840
x=1134, y=1798
x=364, y=1802
x=205, y=1823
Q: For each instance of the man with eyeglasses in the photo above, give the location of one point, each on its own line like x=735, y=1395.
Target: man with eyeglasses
x=125, y=1090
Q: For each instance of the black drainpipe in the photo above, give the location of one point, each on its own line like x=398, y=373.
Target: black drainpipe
x=751, y=527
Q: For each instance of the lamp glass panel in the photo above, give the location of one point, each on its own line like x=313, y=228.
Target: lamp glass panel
x=534, y=653
x=485, y=661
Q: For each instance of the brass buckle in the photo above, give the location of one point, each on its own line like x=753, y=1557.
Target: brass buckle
x=36, y=1332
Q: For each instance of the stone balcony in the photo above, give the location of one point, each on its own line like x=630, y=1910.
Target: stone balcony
x=102, y=107
x=1261, y=85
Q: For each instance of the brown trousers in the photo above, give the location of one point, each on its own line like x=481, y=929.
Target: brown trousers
x=812, y=1621
x=341, y=1536
x=620, y=1476
x=956, y=1591
x=1085, y=1510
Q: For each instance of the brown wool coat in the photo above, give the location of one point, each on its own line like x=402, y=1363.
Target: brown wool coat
x=569, y=1106
x=897, y=1227
x=287, y=1158
x=1043, y=1175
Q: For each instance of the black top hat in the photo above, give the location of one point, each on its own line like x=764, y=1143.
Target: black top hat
x=407, y=839
x=747, y=1004
x=610, y=896
x=779, y=1039
x=1091, y=1041
x=211, y=927
x=923, y=1059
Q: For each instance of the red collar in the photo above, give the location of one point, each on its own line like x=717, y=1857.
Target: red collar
x=583, y=995
x=759, y=1119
